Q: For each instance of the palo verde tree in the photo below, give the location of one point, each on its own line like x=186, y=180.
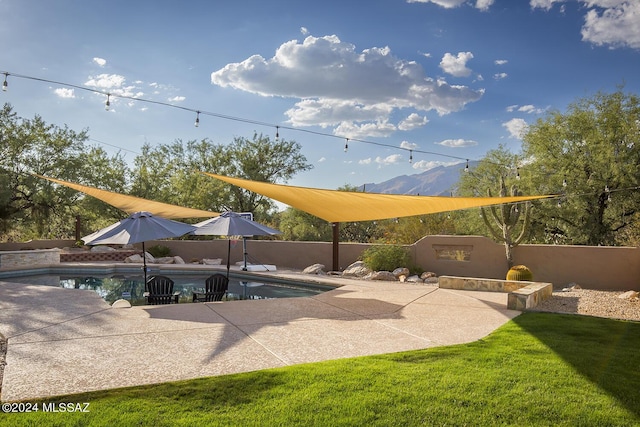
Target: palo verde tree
x=591, y=153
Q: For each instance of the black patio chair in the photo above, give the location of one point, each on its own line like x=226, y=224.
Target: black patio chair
x=216, y=287
x=159, y=290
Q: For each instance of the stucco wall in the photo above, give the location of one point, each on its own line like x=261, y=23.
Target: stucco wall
x=610, y=268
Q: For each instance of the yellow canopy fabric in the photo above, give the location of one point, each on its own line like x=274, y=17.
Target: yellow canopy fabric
x=346, y=206
x=131, y=204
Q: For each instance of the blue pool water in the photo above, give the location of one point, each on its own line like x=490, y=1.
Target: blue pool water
x=131, y=288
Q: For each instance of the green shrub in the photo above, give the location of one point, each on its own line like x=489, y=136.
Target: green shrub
x=159, y=251
x=386, y=257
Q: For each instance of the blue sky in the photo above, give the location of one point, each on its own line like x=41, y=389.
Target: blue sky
x=451, y=77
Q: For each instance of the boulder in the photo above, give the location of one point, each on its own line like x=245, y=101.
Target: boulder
x=357, y=269
x=212, y=261
x=102, y=249
x=137, y=258
x=414, y=279
x=165, y=260
x=403, y=271
x=178, y=260
x=314, y=269
x=121, y=303
x=427, y=274
x=431, y=280
x=381, y=275
x=150, y=258
x=630, y=295
x=571, y=287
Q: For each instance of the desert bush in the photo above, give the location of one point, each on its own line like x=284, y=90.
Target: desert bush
x=386, y=257
x=159, y=251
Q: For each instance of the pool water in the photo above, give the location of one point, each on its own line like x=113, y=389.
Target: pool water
x=131, y=288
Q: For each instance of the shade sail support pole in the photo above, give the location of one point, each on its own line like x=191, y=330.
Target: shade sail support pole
x=336, y=246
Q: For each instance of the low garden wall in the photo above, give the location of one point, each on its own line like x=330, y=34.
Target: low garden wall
x=29, y=258
x=592, y=267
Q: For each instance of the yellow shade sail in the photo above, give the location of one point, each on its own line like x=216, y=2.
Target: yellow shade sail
x=347, y=206
x=131, y=204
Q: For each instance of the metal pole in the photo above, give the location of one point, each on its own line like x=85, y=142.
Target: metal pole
x=244, y=254
x=336, y=241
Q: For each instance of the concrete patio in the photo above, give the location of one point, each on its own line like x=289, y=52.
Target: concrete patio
x=63, y=341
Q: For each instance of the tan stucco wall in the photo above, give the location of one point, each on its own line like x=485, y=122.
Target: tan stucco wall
x=610, y=268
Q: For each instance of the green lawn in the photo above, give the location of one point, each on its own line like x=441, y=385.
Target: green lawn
x=538, y=369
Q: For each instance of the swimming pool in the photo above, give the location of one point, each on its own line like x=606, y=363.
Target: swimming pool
x=131, y=287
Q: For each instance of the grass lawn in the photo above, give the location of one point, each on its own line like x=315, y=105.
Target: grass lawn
x=538, y=369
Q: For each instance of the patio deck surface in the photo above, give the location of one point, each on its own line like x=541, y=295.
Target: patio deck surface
x=63, y=341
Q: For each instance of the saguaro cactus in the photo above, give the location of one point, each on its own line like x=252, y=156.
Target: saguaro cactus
x=506, y=220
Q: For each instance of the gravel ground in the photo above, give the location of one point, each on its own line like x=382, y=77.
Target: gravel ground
x=593, y=303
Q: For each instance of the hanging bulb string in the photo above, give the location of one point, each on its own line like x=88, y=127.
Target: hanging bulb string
x=223, y=116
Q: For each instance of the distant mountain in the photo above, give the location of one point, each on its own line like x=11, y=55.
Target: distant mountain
x=438, y=181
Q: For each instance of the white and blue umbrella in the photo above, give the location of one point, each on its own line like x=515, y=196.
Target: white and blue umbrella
x=138, y=227
x=233, y=224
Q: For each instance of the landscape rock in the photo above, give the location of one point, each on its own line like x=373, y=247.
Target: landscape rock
x=403, y=271
x=381, y=275
x=630, y=295
x=357, y=269
x=431, y=280
x=165, y=260
x=402, y=278
x=135, y=258
x=121, y=303
x=571, y=287
x=102, y=249
x=414, y=279
x=178, y=260
x=427, y=274
x=150, y=258
x=314, y=269
x=212, y=261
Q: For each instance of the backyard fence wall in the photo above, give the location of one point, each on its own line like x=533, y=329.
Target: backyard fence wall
x=592, y=267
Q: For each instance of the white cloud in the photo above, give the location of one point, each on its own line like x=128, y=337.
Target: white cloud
x=607, y=22
x=322, y=159
x=500, y=76
x=352, y=130
x=457, y=143
x=338, y=86
x=100, y=61
x=389, y=160
x=64, y=92
x=177, y=99
x=456, y=65
x=617, y=25
x=448, y=4
x=413, y=121
x=516, y=128
x=304, y=31
x=500, y=61
x=529, y=109
x=543, y=4
x=408, y=145
x=106, y=81
x=365, y=161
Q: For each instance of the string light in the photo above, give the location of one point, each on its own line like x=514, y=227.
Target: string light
x=346, y=145
x=277, y=133
x=517, y=173
x=410, y=156
x=5, y=85
x=466, y=168
x=107, y=104
x=564, y=181
x=197, y=123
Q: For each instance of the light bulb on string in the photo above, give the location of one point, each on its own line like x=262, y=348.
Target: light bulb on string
x=564, y=181
x=5, y=85
x=518, y=173
x=197, y=123
x=277, y=133
x=410, y=156
x=346, y=145
x=466, y=168
x=108, y=103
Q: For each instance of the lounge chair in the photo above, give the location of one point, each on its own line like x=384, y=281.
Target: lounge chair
x=215, y=289
x=159, y=290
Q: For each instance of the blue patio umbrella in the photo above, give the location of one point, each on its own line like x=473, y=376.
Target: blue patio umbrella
x=233, y=224
x=138, y=227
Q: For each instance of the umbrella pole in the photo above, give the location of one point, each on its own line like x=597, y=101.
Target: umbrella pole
x=244, y=252
x=228, y=257
x=144, y=264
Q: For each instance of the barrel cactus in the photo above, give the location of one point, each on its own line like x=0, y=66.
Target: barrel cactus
x=520, y=273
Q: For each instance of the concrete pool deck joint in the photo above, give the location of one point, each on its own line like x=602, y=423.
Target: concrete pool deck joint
x=63, y=341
